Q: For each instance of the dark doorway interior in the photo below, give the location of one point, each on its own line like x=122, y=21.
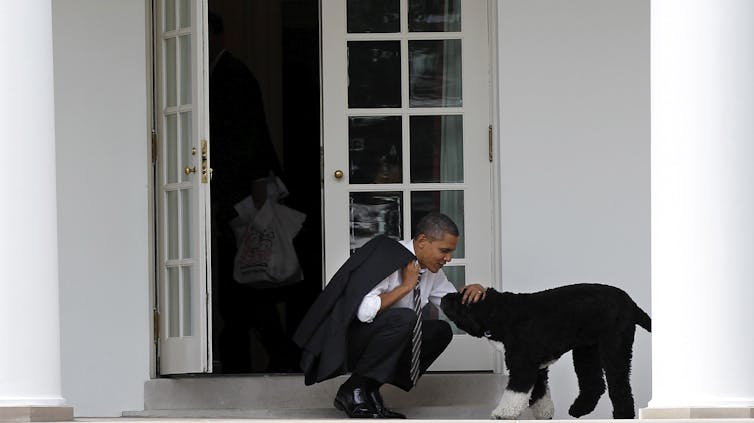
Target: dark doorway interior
x=264, y=116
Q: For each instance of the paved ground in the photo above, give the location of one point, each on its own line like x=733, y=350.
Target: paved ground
x=427, y=412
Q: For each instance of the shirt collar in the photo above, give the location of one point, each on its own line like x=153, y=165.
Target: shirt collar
x=409, y=244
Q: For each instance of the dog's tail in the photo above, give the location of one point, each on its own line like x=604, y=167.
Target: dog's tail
x=643, y=319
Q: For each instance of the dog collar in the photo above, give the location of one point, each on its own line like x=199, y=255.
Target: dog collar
x=487, y=334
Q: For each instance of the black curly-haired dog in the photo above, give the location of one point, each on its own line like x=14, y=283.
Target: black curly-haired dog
x=597, y=322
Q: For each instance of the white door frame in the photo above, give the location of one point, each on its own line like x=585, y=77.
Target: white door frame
x=494, y=17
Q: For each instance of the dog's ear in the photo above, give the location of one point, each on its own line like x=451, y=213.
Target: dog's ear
x=451, y=304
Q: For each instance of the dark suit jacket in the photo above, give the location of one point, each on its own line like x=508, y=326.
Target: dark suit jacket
x=323, y=332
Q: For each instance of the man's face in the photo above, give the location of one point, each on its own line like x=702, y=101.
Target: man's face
x=434, y=253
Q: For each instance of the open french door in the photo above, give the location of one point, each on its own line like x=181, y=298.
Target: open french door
x=406, y=112
x=182, y=186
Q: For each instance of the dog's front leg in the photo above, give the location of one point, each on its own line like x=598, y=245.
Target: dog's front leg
x=541, y=402
x=516, y=396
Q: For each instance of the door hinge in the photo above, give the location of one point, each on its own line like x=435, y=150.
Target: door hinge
x=321, y=167
x=156, y=325
x=489, y=142
x=154, y=146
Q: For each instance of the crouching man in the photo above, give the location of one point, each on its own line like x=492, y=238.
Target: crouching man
x=367, y=321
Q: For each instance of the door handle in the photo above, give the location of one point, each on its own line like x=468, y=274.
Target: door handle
x=338, y=174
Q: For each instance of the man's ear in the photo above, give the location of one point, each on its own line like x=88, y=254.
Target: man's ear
x=421, y=240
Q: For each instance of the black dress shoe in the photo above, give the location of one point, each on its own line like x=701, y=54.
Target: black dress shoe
x=355, y=404
x=379, y=405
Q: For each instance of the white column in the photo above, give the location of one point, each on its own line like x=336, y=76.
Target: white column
x=30, y=387
x=702, y=208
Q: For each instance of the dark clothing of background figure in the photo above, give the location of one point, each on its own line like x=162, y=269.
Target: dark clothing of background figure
x=241, y=152
x=242, y=149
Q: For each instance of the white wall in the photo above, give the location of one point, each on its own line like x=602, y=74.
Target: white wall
x=102, y=182
x=575, y=177
x=575, y=158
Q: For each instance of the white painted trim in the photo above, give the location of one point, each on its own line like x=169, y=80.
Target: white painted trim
x=493, y=13
x=151, y=121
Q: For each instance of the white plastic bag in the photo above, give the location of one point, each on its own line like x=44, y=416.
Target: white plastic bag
x=265, y=256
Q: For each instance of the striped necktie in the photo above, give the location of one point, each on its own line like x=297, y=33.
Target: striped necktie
x=416, y=340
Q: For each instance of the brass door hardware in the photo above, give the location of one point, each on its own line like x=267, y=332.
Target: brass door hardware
x=205, y=172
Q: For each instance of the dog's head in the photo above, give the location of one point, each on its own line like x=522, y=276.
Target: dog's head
x=471, y=317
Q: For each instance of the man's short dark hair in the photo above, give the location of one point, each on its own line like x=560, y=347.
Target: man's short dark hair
x=435, y=225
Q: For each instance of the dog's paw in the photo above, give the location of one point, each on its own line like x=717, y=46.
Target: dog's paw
x=543, y=408
x=511, y=405
x=500, y=414
x=583, y=405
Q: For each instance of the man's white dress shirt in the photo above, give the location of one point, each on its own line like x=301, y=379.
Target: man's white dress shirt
x=433, y=287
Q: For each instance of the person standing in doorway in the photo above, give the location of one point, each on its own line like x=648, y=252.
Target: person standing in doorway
x=242, y=157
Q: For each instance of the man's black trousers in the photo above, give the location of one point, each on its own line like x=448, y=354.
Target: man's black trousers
x=381, y=350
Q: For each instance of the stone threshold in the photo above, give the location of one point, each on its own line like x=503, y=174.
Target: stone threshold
x=36, y=414
x=697, y=413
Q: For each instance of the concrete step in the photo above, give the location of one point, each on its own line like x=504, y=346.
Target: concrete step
x=437, y=395
x=285, y=398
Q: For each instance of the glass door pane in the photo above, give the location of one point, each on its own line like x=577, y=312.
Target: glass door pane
x=434, y=15
x=374, y=74
x=436, y=148
x=373, y=16
x=375, y=150
x=435, y=73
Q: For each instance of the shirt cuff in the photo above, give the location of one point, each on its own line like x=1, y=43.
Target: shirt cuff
x=369, y=308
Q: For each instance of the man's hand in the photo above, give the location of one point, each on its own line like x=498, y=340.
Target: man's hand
x=473, y=293
x=410, y=275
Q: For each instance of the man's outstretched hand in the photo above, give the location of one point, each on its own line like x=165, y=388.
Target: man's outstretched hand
x=473, y=293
